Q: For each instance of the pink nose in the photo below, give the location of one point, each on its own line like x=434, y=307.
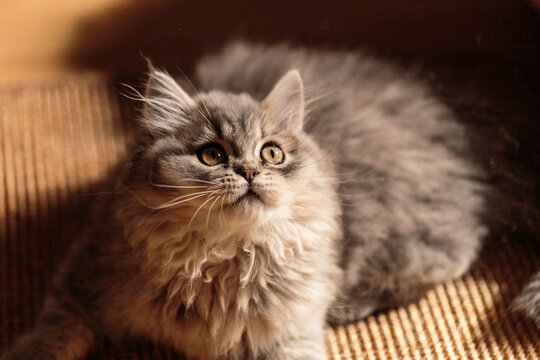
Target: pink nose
x=247, y=174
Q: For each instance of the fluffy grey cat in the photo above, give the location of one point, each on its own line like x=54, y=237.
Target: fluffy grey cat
x=269, y=203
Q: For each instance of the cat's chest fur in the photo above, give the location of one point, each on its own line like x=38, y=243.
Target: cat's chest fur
x=216, y=295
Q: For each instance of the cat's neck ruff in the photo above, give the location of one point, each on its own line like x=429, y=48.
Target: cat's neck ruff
x=278, y=239
x=211, y=274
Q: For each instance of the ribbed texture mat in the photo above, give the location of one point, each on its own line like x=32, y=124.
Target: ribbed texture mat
x=58, y=142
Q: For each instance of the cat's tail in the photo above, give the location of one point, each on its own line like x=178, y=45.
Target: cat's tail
x=528, y=302
x=59, y=335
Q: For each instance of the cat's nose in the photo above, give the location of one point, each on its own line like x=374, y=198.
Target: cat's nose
x=247, y=174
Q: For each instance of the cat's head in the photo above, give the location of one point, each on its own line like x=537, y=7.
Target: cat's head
x=219, y=157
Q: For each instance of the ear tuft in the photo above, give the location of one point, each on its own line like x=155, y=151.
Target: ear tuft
x=285, y=104
x=167, y=105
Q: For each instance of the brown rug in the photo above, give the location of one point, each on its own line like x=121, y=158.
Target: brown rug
x=59, y=141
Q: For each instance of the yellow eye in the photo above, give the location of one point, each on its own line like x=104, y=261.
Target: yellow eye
x=212, y=155
x=272, y=154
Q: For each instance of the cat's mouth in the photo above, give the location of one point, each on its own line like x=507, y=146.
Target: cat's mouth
x=248, y=196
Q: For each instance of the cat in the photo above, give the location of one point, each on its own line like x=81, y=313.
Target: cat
x=297, y=188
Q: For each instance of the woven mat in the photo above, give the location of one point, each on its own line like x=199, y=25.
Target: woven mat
x=59, y=141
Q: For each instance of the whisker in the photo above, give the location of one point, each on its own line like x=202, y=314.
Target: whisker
x=164, y=106
x=142, y=98
x=188, y=195
x=198, y=209
x=137, y=92
x=137, y=197
x=178, y=202
x=221, y=212
x=178, y=186
x=209, y=210
x=151, y=182
x=192, y=196
x=201, y=181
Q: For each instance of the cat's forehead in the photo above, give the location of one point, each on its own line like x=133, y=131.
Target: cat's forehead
x=232, y=116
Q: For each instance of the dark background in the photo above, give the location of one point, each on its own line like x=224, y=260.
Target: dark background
x=179, y=32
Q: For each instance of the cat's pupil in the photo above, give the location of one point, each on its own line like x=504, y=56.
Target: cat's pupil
x=272, y=153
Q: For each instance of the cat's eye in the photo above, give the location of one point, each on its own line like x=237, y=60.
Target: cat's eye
x=272, y=154
x=212, y=155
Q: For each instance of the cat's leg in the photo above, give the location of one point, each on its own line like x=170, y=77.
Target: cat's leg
x=397, y=270
x=62, y=333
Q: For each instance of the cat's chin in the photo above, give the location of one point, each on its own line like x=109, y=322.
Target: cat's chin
x=250, y=207
x=247, y=206
x=249, y=198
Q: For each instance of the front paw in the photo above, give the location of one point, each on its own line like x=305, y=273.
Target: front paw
x=346, y=312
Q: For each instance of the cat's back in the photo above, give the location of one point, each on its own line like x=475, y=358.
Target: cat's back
x=349, y=95
x=255, y=68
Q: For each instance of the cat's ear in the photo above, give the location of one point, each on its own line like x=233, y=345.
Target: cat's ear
x=166, y=105
x=285, y=103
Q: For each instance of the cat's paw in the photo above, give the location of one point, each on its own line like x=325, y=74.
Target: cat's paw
x=349, y=313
